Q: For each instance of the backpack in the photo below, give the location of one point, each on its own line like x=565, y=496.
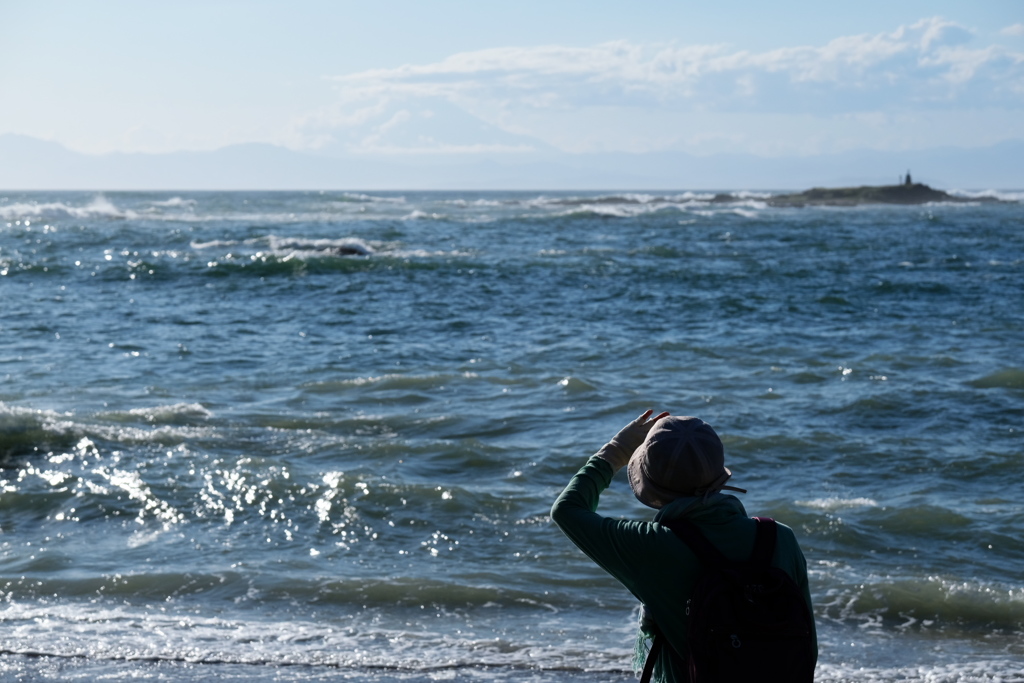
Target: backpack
x=748, y=621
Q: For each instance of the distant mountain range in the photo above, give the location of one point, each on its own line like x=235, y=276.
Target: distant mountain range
x=30, y=164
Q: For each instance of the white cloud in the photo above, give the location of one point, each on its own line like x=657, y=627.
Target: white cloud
x=932, y=51
x=1013, y=30
x=931, y=64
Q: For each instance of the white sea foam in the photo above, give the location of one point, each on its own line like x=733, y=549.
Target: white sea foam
x=837, y=503
x=99, y=207
x=746, y=213
x=625, y=210
x=67, y=433
x=213, y=244
x=95, y=633
x=171, y=412
x=268, y=218
x=748, y=203
x=161, y=434
x=465, y=203
x=175, y=202
x=640, y=197
x=608, y=210
x=17, y=418
x=995, y=670
x=360, y=197
x=1003, y=195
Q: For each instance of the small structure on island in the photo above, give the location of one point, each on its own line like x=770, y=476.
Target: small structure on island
x=906, y=192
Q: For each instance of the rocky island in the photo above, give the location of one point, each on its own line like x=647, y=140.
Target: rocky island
x=907, y=192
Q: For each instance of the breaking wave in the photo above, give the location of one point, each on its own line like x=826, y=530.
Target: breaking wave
x=99, y=207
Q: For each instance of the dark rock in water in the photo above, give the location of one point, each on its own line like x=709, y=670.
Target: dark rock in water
x=351, y=250
x=906, y=193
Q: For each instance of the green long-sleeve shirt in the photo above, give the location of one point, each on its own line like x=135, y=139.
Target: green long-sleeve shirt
x=651, y=562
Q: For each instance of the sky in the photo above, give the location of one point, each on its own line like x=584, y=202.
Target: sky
x=464, y=78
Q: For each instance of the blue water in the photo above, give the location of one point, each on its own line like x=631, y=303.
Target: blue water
x=315, y=436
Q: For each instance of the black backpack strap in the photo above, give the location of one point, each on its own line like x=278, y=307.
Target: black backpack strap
x=707, y=554
x=764, y=543
x=761, y=557
x=657, y=642
x=688, y=533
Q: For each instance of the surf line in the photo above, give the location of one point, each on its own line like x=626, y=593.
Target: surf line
x=285, y=664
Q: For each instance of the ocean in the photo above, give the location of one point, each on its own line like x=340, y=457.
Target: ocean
x=316, y=436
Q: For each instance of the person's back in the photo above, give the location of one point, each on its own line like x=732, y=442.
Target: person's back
x=676, y=465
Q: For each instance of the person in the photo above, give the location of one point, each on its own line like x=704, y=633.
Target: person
x=676, y=465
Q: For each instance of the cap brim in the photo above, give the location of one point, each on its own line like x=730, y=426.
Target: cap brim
x=654, y=496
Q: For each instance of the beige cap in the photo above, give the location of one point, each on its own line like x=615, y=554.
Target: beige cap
x=681, y=456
